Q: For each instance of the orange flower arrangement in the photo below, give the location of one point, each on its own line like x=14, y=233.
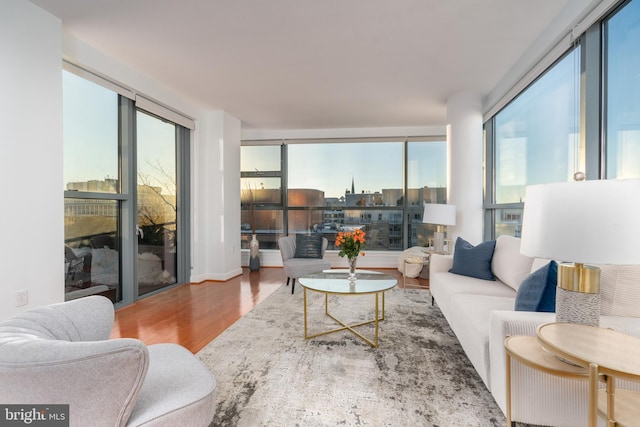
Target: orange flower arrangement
x=351, y=243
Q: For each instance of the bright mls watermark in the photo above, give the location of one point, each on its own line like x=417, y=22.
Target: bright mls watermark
x=34, y=415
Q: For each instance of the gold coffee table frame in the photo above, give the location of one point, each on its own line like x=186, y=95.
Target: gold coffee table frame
x=336, y=282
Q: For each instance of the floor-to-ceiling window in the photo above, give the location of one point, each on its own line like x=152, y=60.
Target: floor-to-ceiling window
x=334, y=186
x=261, y=194
x=92, y=189
x=622, y=88
x=125, y=176
x=535, y=140
x=379, y=186
x=426, y=167
x=582, y=114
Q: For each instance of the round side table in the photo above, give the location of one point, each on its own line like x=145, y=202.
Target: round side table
x=528, y=350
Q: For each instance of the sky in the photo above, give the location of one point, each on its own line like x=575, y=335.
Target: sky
x=90, y=127
x=372, y=166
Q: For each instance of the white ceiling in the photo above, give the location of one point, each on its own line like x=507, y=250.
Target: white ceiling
x=304, y=64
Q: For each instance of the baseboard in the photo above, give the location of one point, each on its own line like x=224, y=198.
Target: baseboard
x=216, y=277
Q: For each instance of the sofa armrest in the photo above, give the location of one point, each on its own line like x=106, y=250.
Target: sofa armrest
x=440, y=263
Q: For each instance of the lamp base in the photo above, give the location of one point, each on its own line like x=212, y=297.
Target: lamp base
x=578, y=294
x=577, y=307
x=438, y=242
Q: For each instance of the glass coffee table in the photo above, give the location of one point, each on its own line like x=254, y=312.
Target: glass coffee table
x=337, y=282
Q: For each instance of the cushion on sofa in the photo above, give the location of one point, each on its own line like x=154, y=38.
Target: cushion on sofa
x=508, y=264
x=308, y=246
x=538, y=291
x=473, y=261
x=620, y=290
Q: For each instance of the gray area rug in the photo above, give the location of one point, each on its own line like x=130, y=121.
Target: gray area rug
x=269, y=375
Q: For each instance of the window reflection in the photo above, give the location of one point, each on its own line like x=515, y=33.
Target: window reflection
x=157, y=203
x=383, y=228
x=91, y=248
x=537, y=135
x=508, y=222
x=426, y=183
x=90, y=136
x=268, y=227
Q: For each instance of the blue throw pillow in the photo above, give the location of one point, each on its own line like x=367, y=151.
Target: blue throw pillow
x=308, y=246
x=538, y=291
x=473, y=261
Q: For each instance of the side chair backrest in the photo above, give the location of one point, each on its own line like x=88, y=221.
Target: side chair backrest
x=287, y=245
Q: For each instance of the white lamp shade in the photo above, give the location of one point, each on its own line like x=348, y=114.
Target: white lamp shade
x=439, y=214
x=588, y=222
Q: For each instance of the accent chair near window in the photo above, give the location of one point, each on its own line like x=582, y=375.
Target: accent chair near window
x=302, y=254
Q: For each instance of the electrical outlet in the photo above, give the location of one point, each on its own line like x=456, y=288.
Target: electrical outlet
x=22, y=298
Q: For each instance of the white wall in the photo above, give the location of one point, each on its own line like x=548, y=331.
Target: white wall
x=31, y=253
x=33, y=44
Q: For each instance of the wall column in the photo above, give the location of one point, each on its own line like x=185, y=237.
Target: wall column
x=215, y=231
x=465, y=157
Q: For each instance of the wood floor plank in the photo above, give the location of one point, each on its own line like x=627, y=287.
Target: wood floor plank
x=194, y=314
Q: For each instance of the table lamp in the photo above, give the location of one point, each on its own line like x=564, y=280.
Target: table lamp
x=441, y=216
x=580, y=223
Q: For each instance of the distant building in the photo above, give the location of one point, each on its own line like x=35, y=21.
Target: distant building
x=317, y=214
x=108, y=185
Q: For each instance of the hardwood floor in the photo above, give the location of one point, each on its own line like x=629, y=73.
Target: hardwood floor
x=194, y=314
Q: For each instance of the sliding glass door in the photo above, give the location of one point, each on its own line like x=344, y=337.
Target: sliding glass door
x=125, y=174
x=93, y=196
x=157, y=203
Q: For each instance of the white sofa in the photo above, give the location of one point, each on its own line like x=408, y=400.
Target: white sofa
x=481, y=314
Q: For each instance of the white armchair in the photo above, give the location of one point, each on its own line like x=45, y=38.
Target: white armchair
x=62, y=354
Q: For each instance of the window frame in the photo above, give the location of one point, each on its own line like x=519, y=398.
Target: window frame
x=374, y=211
x=126, y=195
x=490, y=206
x=592, y=113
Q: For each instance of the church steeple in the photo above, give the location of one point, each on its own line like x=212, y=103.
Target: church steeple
x=353, y=186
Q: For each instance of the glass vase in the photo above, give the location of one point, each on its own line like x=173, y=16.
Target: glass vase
x=352, y=267
x=254, y=254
